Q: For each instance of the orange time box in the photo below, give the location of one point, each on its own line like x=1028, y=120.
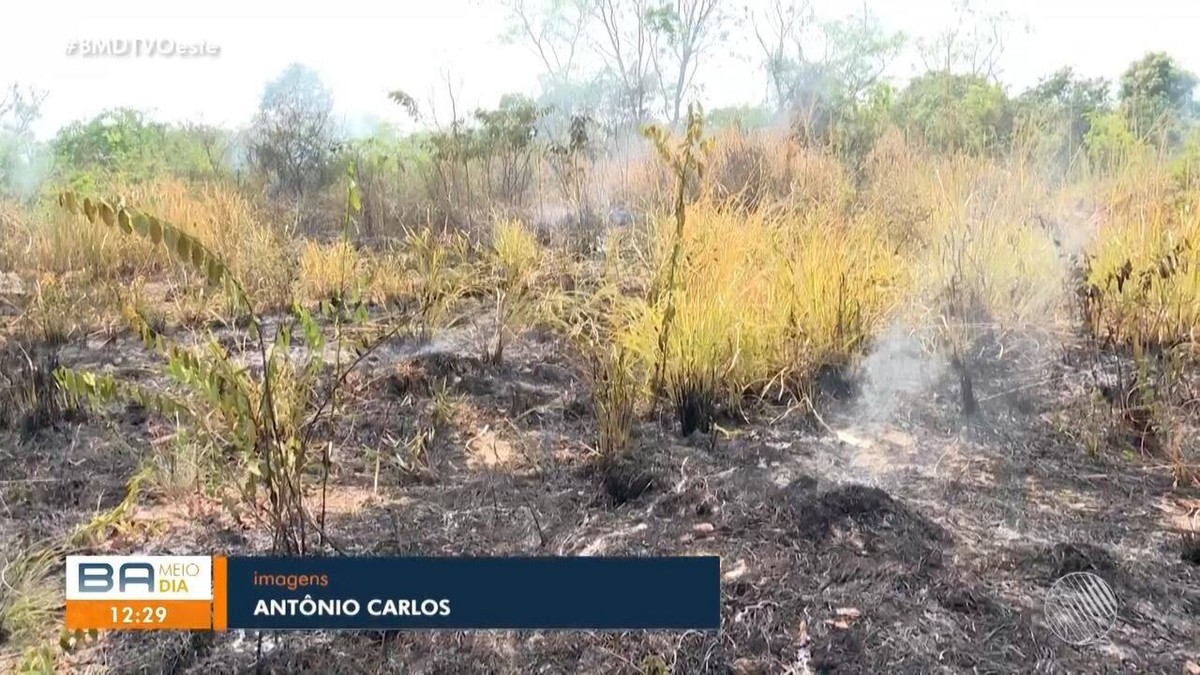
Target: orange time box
x=139, y=614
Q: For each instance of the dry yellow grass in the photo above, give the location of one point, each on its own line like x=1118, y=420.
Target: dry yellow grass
x=227, y=223
x=513, y=263
x=329, y=270
x=787, y=264
x=987, y=256
x=1145, y=273
x=50, y=241
x=763, y=296
x=786, y=269
x=11, y=236
x=761, y=169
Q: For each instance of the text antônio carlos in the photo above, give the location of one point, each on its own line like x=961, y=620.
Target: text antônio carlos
x=307, y=606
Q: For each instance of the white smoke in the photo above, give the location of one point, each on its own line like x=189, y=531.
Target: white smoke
x=25, y=174
x=899, y=368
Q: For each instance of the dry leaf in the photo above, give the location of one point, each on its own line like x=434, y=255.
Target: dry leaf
x=739, y=568
x=745, y=666
x=1192, y=668
x=851, y=612
x=802, y=633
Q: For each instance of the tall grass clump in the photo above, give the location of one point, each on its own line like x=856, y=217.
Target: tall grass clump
x=1144, y=271
x=984, y=263
x=749, y=170
x=326, y=271
x=989, y=258
x=13, y=237
x=593, y=317
x=1140, y=286
x=229, y=225
x=764, y=299
x=30, y=599
x=512, y=266
x=744, y=300
x=432, y=266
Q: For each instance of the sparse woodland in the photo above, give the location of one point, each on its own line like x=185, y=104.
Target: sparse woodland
x=902, y=353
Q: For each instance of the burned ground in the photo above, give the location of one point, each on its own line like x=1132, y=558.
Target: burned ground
x=923, y=542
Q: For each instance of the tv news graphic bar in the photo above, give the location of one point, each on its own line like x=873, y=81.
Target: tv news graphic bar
x=393, y=593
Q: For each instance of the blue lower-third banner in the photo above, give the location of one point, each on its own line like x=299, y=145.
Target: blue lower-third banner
x=676, y=593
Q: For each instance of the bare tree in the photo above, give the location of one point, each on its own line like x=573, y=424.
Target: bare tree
x=293, y=132
x=554, y=30
x=858, y=50
x=626, y=45
x=452, y=147
x=214, y=142
x=780, y=29
x=805, y=57
x=19, y=108
x=683, y=31
x=456, y=150
x=972, y=44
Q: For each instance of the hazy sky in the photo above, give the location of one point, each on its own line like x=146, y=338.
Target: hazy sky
x=365, y=49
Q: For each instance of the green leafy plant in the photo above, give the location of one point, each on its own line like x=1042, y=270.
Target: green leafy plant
x=38, y=659
x=261, y=415
x=29, y=596
x=955, y=113
x=30, y=398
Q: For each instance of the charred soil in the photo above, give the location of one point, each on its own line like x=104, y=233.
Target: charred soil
x=926, y=542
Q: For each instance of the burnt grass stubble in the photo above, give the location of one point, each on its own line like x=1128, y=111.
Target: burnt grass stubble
x=936, y=562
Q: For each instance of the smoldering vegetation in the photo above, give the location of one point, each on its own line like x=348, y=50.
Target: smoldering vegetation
x=902, y=354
